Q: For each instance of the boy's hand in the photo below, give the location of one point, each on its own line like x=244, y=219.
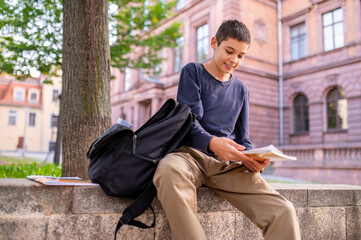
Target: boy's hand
x=229, y=150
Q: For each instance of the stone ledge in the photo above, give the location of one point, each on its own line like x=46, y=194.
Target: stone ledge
x=29, y=210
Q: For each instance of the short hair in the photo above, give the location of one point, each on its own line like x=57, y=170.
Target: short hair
x=233, y=29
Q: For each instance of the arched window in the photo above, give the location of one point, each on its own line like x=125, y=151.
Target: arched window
x=336, y=109
x=300, y=114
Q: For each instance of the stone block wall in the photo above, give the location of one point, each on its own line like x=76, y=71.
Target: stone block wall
x=29, y=210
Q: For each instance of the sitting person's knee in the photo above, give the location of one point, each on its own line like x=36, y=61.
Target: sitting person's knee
x=170, y=168
x=289, y=209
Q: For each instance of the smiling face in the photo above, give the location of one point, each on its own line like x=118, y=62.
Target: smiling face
x=226, y=57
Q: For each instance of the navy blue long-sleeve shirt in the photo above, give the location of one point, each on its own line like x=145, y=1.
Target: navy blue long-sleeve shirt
x=221, y=108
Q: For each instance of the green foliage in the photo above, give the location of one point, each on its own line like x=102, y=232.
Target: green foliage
x=31, y=34
x=22, y=170
x=137, y=45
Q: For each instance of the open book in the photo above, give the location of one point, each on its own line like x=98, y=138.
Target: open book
x=61, y=181
x=270, y=152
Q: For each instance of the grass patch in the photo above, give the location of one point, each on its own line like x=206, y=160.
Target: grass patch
x=11, y=167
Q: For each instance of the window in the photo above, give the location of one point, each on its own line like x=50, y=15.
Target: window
x=32, y=119
x=54, y=121
x=33, y=95
x=178, y=63
x=158, y=66
x=145, y=110
x=12, y=115
x=298, y=41
x=127, y=78
x=202, y=43
x=332, y=29
x=300, y=114
x=52, y=146
x=132, y=115
x=19, y=94
x=336, y=109
x=55, y=95
x=181, y=4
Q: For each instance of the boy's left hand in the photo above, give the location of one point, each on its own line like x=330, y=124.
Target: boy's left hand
x=255, y=165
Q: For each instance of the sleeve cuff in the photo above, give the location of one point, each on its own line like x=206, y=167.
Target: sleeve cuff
x=202, y=143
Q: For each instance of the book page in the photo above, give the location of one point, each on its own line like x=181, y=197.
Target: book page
x=61, y=181
x=270, y=152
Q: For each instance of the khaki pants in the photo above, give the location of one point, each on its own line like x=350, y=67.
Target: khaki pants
x=179, y=175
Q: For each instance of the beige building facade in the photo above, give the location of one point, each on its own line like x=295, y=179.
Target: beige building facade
x=28, y=115
x=305, y=99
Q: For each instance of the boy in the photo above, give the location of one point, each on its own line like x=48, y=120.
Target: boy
x=214, y=156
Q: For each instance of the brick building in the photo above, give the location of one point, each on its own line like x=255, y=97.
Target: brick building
x=313, y=84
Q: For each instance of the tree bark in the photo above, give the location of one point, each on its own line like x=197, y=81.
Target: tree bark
x=85, y=99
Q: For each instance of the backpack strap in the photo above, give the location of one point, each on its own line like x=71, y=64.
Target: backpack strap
x=137, y=208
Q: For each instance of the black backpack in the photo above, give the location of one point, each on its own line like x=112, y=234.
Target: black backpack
x=123, y=162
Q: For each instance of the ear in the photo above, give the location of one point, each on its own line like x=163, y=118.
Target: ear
x=214, y=43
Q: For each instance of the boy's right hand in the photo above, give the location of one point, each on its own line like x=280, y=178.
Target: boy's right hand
x=229, y=150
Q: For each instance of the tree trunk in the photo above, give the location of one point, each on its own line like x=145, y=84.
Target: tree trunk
x=86, y=81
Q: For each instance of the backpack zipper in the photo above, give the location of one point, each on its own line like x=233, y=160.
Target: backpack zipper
x=134, y=143
x=134, y=148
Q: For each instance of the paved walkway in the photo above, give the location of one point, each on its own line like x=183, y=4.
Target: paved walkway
x=39, y=157
x=281, y=179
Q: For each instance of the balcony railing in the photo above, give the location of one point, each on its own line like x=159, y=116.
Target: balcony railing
x=344, y=154
x=324, y=157
x=302, y=155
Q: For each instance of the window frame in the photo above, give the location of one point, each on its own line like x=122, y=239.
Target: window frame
x=303, y=108
x=51, y=146
x=202, y=43
x=300, y=38
x=37, y=94
x=52, y=117
x=19, y=90
x=332, y=26
x=340, y=95
x=158, y=67
x=31, y=97
x=178, y=55
x=15, y=113
x=55, y=97
x=29, y=119
x=127, y=79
